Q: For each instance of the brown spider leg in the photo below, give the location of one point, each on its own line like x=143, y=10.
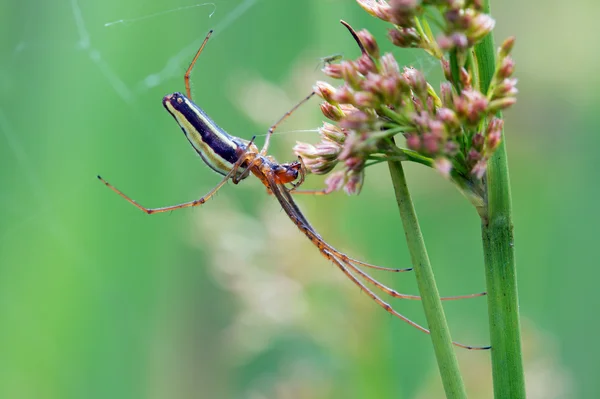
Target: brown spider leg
x=323, y=191
x=254, y=160
x=322, y=245
x=302, y=174
x=388, y=308
x=305, y=192
x=245, y=157
x=303, y=168
x=151, y=211
x=292, y=210
x=186, y=77
x=284, y=117
x=353, y=262
x=393, y=293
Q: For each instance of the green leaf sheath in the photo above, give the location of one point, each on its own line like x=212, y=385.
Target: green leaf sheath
x=499, y=256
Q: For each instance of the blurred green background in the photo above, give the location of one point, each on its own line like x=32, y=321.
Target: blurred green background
x=98, y=300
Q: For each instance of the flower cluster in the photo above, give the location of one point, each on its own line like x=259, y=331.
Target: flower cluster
x=455, y=131
x=464, y=22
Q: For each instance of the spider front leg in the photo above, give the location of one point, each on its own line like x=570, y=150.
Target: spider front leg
x=302, y=173
x=248, y=156
x=271, y=130
x=253, y=160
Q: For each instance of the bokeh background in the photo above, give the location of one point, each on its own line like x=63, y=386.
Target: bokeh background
x=98, y=300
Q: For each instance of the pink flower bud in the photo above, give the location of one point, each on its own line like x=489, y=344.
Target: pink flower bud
x=459, y=40
x=420, y=119
x=355, y=182
x=350, y=73
x=506, y=47
x=478, y=141
x=389, y=65
x=365, y=64
x=404, y=37
x=369, y=42
x=448, y=117
x=333, y=70
x=481, y=24
x=332, y=133
x=365, y=99
x=446, y=68
x=325, y=91
x=479, y=168
x=437, y=128
x=357, y=120
x=473, y=155
x=335, y=181
x=451, y=148
x=403, y=11
x=506, y=88
x=443, y=165
x=446, y=95
x=380, y=10
x=353, y=163
x=494, y=133
x=305, y=150
x=506, y=68
x=332, y=112
x=319, y=166
x=445, y=42
x=465, y=78
x=477, y=105
x=413, y=142
x=431, y=143
x=328, y=150
x=389, y=89
x=500, y=104
x=493, y=140
x=343, y=95
x=417, y=82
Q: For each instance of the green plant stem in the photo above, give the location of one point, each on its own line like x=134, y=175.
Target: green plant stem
x=499, y=256
x=436, y=320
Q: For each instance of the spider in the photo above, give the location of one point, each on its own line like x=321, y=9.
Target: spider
x=236, y=158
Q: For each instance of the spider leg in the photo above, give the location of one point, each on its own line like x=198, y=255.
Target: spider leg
x=345, y=263
x=151, y=211
x=387, y=307
x=186, y=77
x=271, y=130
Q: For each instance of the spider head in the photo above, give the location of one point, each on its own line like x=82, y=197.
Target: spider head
x=287, y=172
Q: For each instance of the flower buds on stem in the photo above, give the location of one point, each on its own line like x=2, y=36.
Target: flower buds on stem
x=456, y=131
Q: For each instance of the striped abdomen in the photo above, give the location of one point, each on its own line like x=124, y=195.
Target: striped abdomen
x=218, y=149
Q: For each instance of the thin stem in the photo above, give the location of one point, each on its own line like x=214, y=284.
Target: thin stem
x=408, y=155
x=434, y=313
x=401, y=120
x=499, y=256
